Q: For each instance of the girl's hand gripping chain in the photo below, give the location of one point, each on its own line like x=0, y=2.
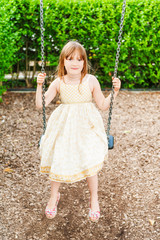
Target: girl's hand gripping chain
x=40, y=78
x=40, y=81
x=116, y=84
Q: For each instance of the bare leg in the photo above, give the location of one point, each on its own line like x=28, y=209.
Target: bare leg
x=54, y=194
x=93, y=188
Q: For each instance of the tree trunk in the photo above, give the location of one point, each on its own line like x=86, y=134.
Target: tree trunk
x=34, y=69
x=12, y=78
x=17, y=70
x=26, y=72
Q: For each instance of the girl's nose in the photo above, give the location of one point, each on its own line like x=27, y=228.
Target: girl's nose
x=75, y=61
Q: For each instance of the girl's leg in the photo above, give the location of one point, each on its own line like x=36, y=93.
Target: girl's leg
x=54, y=194
x=93, y=188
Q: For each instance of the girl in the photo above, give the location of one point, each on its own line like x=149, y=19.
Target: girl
x=75, y=142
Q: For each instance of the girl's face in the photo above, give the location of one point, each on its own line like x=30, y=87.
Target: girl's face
x=74, y=63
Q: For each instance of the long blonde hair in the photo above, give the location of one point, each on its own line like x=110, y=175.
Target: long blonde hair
x=68, y=50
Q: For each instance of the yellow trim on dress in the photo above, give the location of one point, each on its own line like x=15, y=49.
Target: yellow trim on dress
x=71, y=178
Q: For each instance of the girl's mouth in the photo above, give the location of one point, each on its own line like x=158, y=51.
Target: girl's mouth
x=74, y=68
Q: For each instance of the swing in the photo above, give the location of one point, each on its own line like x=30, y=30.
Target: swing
x=110, y=137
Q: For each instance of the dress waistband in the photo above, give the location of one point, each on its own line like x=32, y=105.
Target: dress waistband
x=77, y=102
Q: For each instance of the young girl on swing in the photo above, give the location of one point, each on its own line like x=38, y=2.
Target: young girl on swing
x=75, y=142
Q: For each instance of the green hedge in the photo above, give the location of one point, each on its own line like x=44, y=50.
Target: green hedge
x=96, y=25
x=9, y=36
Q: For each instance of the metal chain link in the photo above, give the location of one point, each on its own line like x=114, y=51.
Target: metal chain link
x=43, y=64
x=116, y=66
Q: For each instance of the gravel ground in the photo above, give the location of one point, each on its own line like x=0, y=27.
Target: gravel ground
x=129, y=185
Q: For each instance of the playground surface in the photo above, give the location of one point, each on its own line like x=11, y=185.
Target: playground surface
x=129, y=183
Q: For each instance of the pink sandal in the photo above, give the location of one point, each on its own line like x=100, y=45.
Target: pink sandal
x=51, y=213
x=94, y=215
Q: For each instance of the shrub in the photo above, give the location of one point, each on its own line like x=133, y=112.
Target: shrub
x=95, y=24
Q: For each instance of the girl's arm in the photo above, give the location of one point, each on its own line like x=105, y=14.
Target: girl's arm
x=49, y=94
x=102, y=102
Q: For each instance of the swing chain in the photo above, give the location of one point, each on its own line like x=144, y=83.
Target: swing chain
x=116, y=66
x=42, y=64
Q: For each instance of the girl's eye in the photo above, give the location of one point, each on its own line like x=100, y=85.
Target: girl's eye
x=69, y=58
x=79, y=59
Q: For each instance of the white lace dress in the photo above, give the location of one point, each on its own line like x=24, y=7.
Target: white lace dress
x=75, y=142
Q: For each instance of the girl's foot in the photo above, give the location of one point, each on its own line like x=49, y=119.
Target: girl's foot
x=51, y=209
x=94, y=211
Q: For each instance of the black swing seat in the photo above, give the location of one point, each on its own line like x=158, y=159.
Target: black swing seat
x=40, y=140
x=110, y=142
